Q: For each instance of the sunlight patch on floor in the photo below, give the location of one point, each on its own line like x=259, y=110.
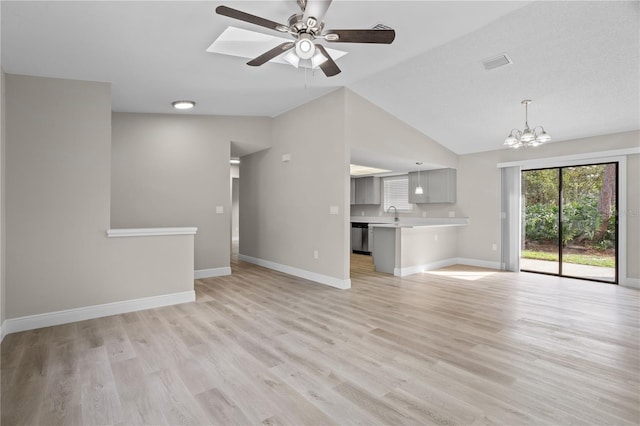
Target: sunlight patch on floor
x=462, y=274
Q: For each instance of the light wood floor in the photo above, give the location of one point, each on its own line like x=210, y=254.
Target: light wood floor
x=458, y=346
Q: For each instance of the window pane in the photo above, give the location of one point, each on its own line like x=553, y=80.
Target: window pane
x=396, y=193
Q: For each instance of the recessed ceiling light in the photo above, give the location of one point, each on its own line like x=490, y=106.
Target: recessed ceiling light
x=183, y=104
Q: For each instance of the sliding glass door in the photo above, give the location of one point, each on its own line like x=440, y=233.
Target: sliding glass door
x=569, y=221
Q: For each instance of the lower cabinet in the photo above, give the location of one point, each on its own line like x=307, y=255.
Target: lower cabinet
x=438, y=186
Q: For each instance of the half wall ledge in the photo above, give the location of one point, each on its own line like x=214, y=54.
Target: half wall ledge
x=150, y=232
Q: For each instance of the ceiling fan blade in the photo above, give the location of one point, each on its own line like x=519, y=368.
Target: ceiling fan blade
x=269, y=55
x=252, y=19
x=360, y=36
x=316, y=9
x=328, y=67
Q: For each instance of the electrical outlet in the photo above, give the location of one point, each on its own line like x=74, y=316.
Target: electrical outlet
x=315, y=254
x=435, y=237
x=494, y=247
x=333, y=209
x=286, y=158
x=362, y=213
x=452, y=214
x=219, y=210
x=424, y=214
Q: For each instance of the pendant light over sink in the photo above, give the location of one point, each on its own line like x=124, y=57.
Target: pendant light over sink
x=419, y=190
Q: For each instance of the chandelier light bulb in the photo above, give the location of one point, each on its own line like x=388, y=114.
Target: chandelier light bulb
x=510, y=140
x=527, y=136
x=543, y=137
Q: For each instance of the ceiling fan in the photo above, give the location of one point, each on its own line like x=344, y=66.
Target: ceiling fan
x=306, y=27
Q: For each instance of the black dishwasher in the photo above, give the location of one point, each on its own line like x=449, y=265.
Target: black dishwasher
x=360, y=238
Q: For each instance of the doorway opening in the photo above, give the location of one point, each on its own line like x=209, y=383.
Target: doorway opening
x=235, y=208
x=570, y=221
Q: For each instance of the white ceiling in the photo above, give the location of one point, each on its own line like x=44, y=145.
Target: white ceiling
x=578, y=61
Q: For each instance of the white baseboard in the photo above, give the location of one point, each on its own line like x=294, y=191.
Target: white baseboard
x=479, y=263
x=631, y=282
x=410, y=270
x=307, y=275
x=31, y=322
x=213, y=272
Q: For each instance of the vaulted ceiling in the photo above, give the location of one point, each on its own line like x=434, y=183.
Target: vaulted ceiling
x=578, y=61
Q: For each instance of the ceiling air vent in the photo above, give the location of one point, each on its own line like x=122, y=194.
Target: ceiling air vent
x=496, y=62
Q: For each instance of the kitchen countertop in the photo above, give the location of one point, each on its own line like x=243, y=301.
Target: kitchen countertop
x=410, y=222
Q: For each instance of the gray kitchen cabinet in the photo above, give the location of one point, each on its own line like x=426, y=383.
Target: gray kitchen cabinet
x=353, y=191
x=439, y=186
x=365, y=190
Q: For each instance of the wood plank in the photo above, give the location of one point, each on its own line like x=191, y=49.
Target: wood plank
x=460, y=345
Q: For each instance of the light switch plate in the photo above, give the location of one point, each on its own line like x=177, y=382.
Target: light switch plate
x=333, y=210
x=452, y=214
x=219, y=209
x=286, y=158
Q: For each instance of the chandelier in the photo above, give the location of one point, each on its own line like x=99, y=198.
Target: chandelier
x=527, y=137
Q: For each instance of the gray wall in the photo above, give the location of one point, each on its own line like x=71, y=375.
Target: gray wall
x=479, y=197
x=479, y=193
x=284, y=206
x=173, y=170
x=370, y=128
x=633, y=216
x=2, y=203
x=58, y=146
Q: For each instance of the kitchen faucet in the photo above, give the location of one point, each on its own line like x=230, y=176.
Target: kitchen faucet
x=395, y=215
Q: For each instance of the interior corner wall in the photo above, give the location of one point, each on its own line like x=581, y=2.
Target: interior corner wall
x=285, y=204
x=173, y=170
x=2, y=201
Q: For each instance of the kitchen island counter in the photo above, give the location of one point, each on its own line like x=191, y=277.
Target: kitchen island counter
x=408, y=247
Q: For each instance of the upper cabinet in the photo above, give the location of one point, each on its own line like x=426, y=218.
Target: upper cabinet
x=439, y=186
x=365, y=190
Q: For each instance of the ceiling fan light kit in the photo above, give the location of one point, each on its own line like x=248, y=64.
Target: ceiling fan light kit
x=305, y=49
x=527, y=137
x=305, y=28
